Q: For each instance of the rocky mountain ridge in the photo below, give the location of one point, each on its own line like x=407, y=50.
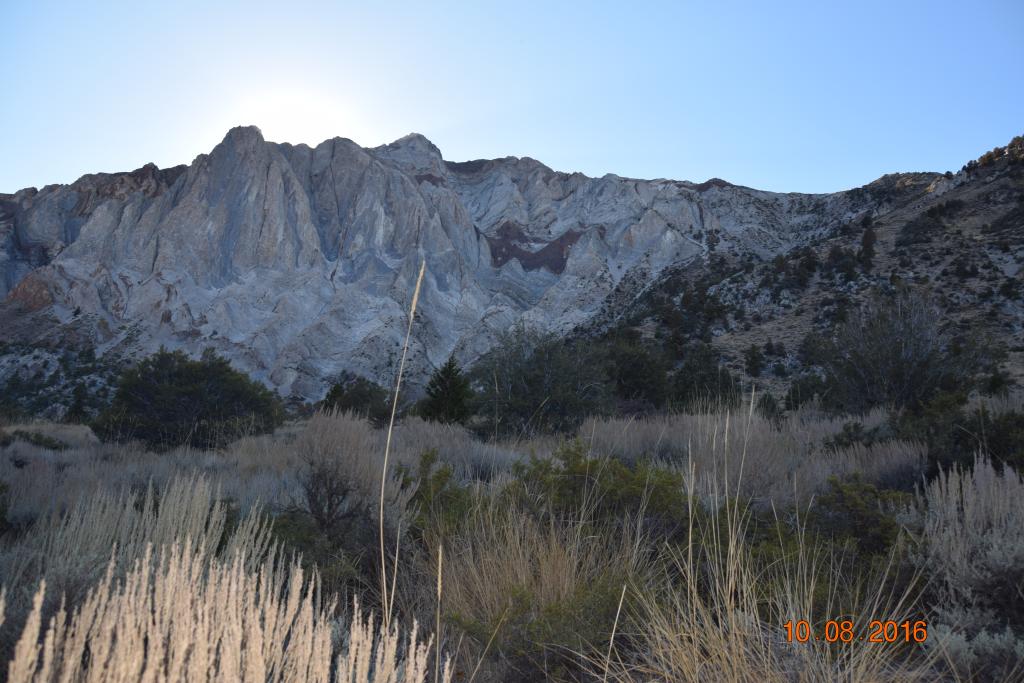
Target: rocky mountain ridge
x=298, y=263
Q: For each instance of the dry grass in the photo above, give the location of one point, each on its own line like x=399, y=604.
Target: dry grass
x=973, y=548
x=113, y=528
x=718, y=615
x=773, y=463
x=505, y=568
x=470, y=457
x=185, y=616
x=707, y=610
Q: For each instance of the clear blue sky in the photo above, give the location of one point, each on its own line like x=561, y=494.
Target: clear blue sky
x=798, y=96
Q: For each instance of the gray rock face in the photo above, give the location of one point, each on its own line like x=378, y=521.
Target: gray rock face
x=298, y=262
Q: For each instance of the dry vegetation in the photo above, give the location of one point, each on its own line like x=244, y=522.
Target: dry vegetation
x=670, y=548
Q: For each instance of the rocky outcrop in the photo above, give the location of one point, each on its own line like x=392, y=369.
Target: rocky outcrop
x=299, y=262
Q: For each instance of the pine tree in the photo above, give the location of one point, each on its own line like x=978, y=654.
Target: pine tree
x=448, y=395
x=867, y=246
x=754, y=361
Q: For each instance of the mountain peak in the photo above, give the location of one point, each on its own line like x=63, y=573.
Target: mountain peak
x=412, y=150
x=244, y=136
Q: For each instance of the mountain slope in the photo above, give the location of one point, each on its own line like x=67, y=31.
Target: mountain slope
x=298, y=263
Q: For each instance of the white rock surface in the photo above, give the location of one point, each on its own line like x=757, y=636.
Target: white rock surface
x=298, y=263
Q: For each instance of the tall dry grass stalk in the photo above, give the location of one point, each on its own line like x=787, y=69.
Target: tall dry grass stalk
x=387, y=598
x=185, y=616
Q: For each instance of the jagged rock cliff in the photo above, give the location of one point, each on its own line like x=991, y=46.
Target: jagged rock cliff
x=298, y=262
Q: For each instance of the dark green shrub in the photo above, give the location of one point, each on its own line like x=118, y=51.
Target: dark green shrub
x=894, y=352
x=867, y=247
x=41, y=440
x=449, y=395
x=1003, y=437
x=536, y=383
x=803, y=389
x=539, y=640
x=856, y=511
x=572, y=482
x=768, y=407
x=702, y=377
x=358, y=395
x=639, y=374
x=753, y=360
x=440, y=502
x=841, y=261
x=169, y=400
x=5, y=525
x=855, y=433
x=342, y=558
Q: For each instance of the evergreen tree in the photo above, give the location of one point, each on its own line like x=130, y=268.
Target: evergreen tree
x=867, y=246
x=169, y=400
x=448, y=395
x=754, y=360
x=358, y=395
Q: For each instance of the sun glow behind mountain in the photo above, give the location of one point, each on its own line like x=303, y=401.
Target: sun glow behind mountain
x=301, y=115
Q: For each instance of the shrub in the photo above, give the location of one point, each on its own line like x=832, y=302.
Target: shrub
x=973, y=551
x=358, y=395
x=535, y=383
x=803, y=389
x=768, y=406
x=856, y=511
x=328, y=491
x=841, y=261
x=440, y=502
x=573, y=483
x=894, y=352
x=867, y=246
x=543, y=594
x=639, y=374
x=449, y=396
x=169, y=400
x=702, y=377
x=753, y=360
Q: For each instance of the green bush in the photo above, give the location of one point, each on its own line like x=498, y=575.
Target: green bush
x=449, y=396
x=955, y=436
x=894, y=352
x=358, y=395
x=538, y=639
x=169, y=400
x=440, y=502
x=702, y=377
x=858, y=512
x=40, y=440
x=867, y=246
x=1004, y=437
x=753, y=360
x=572, y=483
x=638, y=373
x=535, y=383
x=803, y=389
x=768, y=406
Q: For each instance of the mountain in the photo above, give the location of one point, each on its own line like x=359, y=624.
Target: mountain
x=298, y=263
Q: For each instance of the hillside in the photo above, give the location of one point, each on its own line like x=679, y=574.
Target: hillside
x=298, y=263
